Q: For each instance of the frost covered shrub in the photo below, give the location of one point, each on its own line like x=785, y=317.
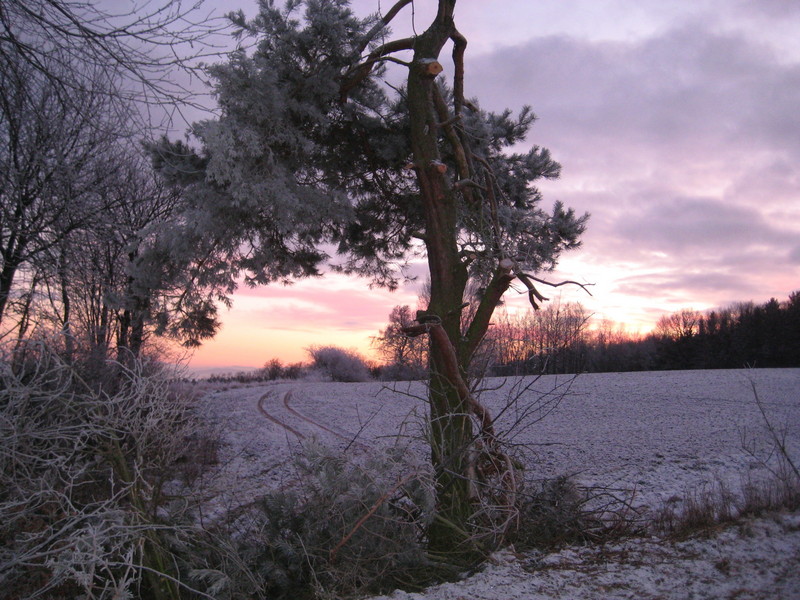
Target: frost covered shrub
x=347, y=526
x=554, y=512
x=83, y=511
x=339, y=364
x=396, y=372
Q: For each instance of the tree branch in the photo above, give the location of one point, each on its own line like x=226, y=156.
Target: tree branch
x=533, y=293
x=498, y=285
x=360, y=72
x=459, y=47
x=433, y=327
x=382, y=23
x=458, y=148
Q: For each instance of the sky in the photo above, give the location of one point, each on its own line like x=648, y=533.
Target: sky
x=677, y=125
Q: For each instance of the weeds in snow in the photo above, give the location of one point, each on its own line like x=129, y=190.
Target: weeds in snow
x=83, y=507
x=715, y=504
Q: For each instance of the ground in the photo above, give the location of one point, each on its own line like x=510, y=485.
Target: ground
x=757, y=559
x=654, y=436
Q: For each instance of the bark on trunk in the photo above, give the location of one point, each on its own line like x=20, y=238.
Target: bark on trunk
x=12, y=261
x=451, y=424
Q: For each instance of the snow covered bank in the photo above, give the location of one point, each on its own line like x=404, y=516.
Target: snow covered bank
x=758, y=559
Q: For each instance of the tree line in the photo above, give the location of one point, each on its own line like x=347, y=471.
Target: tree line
x=562, y=338
x=744, y=334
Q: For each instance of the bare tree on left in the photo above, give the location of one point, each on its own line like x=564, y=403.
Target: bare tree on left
x=83, y=223
x=139, y=47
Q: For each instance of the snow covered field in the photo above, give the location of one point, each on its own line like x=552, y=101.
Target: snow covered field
x=662, y=434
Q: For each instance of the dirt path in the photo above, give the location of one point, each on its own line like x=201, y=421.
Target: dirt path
x=351, y=441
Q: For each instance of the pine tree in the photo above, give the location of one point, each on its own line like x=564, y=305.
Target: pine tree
x=311, y=145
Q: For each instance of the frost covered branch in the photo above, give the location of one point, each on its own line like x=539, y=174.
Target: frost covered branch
x=84, y=508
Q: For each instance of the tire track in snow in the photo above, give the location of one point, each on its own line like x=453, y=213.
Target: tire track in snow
x=295, y=412
x=275, y=420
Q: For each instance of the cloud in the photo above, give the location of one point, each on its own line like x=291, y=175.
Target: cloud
x=773, y=9
x=687, y=88
x=334, y=303
x=678, y=283
x=683, y=145
x=680, y=227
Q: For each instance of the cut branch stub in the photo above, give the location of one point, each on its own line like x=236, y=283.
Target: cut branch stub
x=414, y=330
x=438, y=166
x=424, y=316
x=430, y=67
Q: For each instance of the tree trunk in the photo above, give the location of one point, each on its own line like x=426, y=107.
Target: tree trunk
x=131, y=333
x=66, y=307
x=131, y=336
x=12, y=259
x=451, y=425
x=123, y=336
x=137, y=329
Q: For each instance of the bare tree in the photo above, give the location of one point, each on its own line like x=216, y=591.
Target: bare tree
x=137, y=48
x=405, y=355
x=550, y=340
x=680, y=325
x=52, y=159
x=115, y=281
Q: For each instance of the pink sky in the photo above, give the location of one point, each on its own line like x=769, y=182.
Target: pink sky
x=676, y=125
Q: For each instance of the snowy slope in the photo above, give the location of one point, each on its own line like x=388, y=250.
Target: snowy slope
x=659, y=434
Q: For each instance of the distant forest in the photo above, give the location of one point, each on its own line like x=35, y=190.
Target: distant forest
x=561, y=338
x=744, y=334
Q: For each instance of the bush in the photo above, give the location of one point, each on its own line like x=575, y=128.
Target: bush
x=395, y=372
x=272, y=370
x=83, y=509
x=346, y=527
x=339, y=364
x=556, y=511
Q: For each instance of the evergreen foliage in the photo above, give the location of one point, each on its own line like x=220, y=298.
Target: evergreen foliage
x=313, y=146
x=349, y=526
x=291, y=161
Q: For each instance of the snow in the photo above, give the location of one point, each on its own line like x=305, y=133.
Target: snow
x=757, y=559
x=659, y=435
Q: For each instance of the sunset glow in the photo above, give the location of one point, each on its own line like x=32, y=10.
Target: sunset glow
x=282, y=321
